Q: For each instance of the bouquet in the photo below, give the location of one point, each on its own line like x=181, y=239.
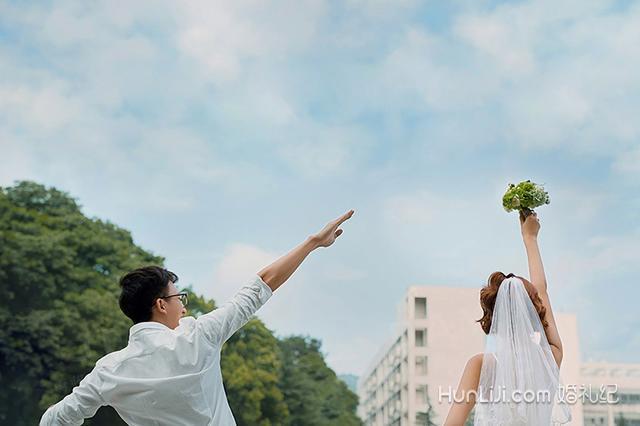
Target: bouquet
x=524, y=197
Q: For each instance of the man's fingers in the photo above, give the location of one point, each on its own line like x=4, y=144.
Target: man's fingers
x=344, y=217
x=338, y=233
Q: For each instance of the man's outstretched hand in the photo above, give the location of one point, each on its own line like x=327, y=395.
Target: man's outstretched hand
x=331, y=231
x=279, y=271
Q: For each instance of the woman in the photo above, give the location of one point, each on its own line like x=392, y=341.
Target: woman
x=516, y=380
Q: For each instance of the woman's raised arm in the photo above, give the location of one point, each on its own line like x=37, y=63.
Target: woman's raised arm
x=529, y=227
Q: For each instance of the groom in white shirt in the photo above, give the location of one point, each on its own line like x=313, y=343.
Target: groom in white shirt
x=169, y=372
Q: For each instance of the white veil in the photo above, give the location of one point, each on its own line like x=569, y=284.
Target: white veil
x=519, y=380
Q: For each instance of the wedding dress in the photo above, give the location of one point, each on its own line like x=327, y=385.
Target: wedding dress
x=519, y=380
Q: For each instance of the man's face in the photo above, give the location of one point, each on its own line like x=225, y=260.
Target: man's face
x=173, y=309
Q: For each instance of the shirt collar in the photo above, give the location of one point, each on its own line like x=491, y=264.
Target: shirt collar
x=147, y=325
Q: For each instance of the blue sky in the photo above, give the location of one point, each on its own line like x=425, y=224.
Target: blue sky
x=223, y=133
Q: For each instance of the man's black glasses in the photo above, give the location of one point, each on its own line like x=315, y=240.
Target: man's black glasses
x=184, y=298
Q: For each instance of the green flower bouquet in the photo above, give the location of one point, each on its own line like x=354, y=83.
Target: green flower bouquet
x=524, y=197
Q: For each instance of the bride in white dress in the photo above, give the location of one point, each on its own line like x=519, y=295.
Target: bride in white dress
x=516, y=380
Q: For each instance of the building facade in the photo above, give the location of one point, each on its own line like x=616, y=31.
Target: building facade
x=625, y=380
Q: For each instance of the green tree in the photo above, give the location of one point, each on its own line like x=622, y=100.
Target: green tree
x=59, y=312
x=313, y=392
x=252, y=368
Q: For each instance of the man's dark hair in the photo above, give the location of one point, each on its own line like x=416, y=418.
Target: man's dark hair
x=140, y=289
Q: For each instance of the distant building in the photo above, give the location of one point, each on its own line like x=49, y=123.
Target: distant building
x=626, y=377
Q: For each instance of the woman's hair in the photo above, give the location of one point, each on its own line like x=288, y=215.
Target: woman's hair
x=489, y=293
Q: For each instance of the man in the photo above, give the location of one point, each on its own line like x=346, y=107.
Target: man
x=169, y=372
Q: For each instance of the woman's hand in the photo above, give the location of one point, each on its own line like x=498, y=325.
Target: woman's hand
x=330, y=232
x=530, y=225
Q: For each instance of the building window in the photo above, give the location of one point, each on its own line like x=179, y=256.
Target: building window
x=421, y=365
x=420, y=307
x=628, y=398
x=421, y=337
x=422, y=394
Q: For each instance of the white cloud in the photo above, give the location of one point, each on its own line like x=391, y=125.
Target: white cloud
x=344, y=359
x=599, y=276
x=21, y=159
x=589, y=262
x=224, y=35
x=539, y=75
x=421, y=208
x=616, y=252
x=42, y=109
x=423, y=68
x=288, y=310
x=628, y=163
x=239, y=263
x=493, y=37
x=321, y=151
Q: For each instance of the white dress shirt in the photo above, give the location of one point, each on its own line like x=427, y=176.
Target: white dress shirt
x=165, y=376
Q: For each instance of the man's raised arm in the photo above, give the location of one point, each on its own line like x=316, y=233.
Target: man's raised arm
x=279, y=271
x=220, y=324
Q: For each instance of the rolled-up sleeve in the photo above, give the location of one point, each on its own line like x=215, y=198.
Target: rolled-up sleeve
x=220, y=324
x=83, y=402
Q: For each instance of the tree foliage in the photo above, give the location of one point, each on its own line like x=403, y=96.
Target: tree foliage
x=314, y=394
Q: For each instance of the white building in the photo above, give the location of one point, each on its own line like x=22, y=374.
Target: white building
x=436, y=336
x=626, y=378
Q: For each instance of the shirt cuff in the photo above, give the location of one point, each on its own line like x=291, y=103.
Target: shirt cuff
x=265, y=291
